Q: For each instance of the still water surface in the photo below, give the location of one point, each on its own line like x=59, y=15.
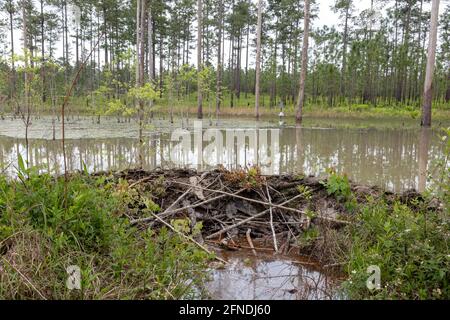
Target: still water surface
x=393, y=156
x=273, y=278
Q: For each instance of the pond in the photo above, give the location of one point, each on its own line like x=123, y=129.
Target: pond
x=391, y=154
x=269, y=277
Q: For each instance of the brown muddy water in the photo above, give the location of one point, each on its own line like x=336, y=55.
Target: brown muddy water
x=387, y=153
x=391, y=154
x=269, y=277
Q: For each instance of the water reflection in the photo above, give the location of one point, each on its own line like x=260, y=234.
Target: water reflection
x=394, y=159
x=269, y=279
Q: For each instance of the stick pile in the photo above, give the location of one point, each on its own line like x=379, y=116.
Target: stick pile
x=233, y=205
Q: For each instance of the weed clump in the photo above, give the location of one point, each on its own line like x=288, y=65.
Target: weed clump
x=247, y=178
x=410, y=244
x=44, y=230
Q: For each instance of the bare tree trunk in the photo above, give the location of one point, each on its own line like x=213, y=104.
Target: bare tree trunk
x=44, y=91
x=13, y=70
x=301, y=93
x=138, y=34
x=199, y=60
x=161, y=65
x=219, y=61
x=447, y=94
x=66, y=32
x=246, y=61
x=150, y=60
x=140, y=48
x=142, y=44
x=258, y=59
x=26, y=118
x=424, y=146
x=344, y=51
x=428, y=87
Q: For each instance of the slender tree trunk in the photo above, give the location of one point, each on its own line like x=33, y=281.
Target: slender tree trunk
x=142, y=44
x=238, y=67
x=344, y=50
x=428, y=87
x=13, y=71
x=447, y=94
x=219, y=61
x=63, y=42
x=138, y=35
x=187, y=45
x=231, y=71
x=66, y=32
x=26, y=117
x=301, y=93
x=258, y=59
x=154, y=50
x=161, y=65
x=105, y=28
x=44, y=91
x=140, y=29
x=424, y=148
x=273, y=93
x=150, y=60
x=246, y=62
x=199, y=60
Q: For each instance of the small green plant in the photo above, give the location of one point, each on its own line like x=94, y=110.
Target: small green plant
x=411, y=248
x=339, y=186
x=308, y=236
x=305, y=191
x=151, y=205
x=248, y=178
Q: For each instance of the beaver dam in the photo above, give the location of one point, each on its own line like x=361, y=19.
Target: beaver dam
x=276, y=237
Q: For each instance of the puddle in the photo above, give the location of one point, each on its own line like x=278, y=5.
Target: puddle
x=266, y=277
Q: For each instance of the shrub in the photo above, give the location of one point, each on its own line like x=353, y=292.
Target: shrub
x=411, y=249
x=44, y=229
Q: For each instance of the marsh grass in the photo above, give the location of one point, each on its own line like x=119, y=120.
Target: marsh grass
x=39, y=239
x=245, y=107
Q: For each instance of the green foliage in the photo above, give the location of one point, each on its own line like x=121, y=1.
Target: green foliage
x=52, y=224
x=308, y=236
x=360, y=107
x=101, y=98
x=150, y=205
x=338, y=185
x=146, y=93
x=441, y=180
x=247, y=178
x=118, y=108
x=305, y=191
x=411, y=248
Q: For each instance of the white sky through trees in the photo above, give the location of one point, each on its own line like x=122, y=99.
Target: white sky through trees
x=325, y=17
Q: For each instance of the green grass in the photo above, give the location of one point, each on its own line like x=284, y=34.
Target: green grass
x=410, y=247
x=42, y=232
x=409, y=242
x=245, y=107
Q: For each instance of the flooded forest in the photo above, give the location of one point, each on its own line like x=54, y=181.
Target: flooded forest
x=224, y=150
